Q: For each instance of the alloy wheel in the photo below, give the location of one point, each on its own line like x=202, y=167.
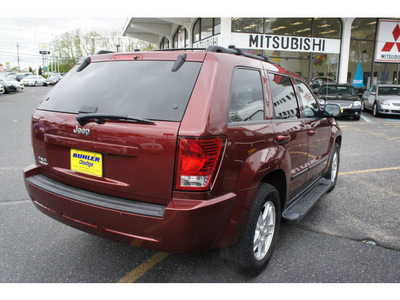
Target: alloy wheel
x=334, y=166
x=264, y=231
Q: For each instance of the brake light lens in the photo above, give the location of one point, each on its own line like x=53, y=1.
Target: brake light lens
x=197, y=162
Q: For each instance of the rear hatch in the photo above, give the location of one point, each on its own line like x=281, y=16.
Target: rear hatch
x=133, y=158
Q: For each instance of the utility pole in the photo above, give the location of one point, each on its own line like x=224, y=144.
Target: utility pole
x=19, y=70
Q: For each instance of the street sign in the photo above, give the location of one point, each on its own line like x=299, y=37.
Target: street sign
x=44, y=49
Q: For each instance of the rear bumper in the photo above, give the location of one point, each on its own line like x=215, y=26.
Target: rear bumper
x=183, y=226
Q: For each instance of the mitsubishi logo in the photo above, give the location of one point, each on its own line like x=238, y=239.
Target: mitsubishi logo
x=389, y=45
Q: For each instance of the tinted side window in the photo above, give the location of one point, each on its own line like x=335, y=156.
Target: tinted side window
x=307, y=98
x=283, y=97
x=246, y=101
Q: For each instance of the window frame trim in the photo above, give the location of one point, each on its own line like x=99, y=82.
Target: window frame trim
x=242, y=123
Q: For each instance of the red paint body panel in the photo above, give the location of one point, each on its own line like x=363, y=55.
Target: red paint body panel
x=140, y=162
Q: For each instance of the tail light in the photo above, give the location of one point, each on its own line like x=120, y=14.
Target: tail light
x=197, y=162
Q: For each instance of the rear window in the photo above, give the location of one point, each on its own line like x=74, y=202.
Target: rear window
x=145, y=89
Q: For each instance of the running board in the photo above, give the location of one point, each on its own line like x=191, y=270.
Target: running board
x=306, y=201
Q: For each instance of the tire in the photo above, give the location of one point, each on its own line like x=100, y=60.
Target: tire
x=333, y=170
x=257, y=242
x=36, y=84
x=375, y=112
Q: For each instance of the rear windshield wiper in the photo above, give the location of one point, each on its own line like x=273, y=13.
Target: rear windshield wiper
x=100, y=118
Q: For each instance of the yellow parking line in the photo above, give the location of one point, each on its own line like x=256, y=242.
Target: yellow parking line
x=143, y=268
x=370, y=170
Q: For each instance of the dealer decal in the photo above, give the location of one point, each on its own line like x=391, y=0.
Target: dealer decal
x=87, y=162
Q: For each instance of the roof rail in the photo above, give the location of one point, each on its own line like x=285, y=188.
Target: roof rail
x=180, y=49
x=233, y=50
x=104, y=52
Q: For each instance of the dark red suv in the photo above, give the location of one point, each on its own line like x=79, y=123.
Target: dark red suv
x=182, y=151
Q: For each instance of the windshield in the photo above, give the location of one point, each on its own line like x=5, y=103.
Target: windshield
x=143, y=89
x=389, y=91
x=337, y=91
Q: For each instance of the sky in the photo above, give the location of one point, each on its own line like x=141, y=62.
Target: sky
x=29, y=32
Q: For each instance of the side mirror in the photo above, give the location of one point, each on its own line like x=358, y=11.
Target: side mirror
x=332, y=110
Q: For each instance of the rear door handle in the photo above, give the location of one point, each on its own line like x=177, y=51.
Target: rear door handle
x=281, y=139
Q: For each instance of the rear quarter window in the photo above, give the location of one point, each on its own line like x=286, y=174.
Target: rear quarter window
x=246, y=100
x=146, y=89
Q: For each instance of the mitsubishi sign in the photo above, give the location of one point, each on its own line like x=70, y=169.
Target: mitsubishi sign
x=285, y=43
x=388, y=42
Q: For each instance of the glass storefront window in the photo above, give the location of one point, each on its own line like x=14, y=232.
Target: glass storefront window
x=247, y=25
x=362, y=46
x=308, y=65
x=364, y=29
x=196, y=31
x=289, y=26
x=360, y=51
x=206, y=28
x=180, y=39
x=217, y=26
x=327, y=28
x=164, y=43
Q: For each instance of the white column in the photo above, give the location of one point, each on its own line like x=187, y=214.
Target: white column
x=224, y=38
x=345, y=49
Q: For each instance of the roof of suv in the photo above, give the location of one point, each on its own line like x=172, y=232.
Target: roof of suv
x=190, y=54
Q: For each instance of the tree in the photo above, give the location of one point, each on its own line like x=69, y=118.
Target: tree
x=70, y=46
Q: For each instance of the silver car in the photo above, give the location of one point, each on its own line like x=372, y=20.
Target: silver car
x=382, y=99
x=34, y=80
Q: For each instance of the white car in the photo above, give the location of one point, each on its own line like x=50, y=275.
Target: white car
x=34, y=80
x=19, y=85
x=382, y=99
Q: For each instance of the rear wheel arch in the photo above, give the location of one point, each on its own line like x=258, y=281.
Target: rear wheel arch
x=277, y=178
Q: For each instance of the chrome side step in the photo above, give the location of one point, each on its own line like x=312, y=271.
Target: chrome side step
x=306, y=201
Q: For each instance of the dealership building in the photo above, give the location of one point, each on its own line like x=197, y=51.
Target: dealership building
x=360, y=51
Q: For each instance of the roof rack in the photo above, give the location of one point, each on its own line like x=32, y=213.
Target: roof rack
x=181, y=49
x=104, y=52
x=233, y=50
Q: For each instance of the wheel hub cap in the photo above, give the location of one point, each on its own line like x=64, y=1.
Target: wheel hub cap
x=264, y=230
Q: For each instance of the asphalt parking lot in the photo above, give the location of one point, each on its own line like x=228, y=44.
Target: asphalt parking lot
x=351, y=236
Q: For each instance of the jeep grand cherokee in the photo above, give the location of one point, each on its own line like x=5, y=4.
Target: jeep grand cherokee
x=182, y=151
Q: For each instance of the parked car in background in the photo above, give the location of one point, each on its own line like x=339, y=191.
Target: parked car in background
x=343, y=95
x=34, y=80
x=382, y=99
x=317, y=82
x=53, y=79
x=9, y=86
x=16, y=77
